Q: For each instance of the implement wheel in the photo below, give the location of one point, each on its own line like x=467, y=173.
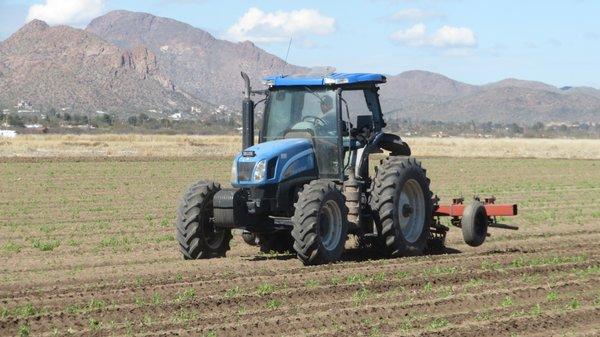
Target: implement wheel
x=198, y=237
x=401, y=201
x=249, y=238
x=320, y=223
x=474, y=224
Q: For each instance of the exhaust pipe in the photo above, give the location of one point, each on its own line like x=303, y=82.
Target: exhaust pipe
x=247, y=115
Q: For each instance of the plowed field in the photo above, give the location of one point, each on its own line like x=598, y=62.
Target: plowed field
x=87, y=248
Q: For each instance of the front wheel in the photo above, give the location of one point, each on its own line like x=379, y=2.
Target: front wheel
x=320, y=223
x=198, y=237
x=401, y=201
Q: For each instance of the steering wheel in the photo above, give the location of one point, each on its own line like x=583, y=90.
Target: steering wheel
x=315, y=119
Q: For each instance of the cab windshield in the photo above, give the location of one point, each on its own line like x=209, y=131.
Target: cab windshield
x=306, y=112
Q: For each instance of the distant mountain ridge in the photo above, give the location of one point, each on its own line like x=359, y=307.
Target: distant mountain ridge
x=422, y=95
x=127, y=62
x=196, y=61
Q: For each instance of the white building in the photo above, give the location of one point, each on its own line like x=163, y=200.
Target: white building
x=8, y=133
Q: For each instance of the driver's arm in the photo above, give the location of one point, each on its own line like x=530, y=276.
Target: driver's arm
x=330, y=120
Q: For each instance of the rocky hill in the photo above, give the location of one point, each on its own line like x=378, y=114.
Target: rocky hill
x=196, y=61
x=68, y=68
x=136, y=62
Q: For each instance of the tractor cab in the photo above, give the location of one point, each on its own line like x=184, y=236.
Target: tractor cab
x=317, y=108
x=326, y=117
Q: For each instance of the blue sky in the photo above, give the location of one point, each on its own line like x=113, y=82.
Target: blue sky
x=477, y=42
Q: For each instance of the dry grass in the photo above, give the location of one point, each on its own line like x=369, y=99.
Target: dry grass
x=194, y=146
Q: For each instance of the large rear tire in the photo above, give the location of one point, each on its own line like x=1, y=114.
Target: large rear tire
x=198, y=237
x=401, y=203
x=320, y=223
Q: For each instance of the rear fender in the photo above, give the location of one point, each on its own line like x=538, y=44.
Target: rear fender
x=394, y=144
x=382, y=141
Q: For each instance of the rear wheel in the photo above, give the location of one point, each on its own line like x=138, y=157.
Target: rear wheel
x=401, y=201
x=198, y=237
x=320, y=223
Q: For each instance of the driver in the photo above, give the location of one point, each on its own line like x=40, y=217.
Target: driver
x=328, y=113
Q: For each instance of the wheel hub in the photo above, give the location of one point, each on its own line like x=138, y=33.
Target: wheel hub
x=330, y=225
x=407, y=210
x=411, y=210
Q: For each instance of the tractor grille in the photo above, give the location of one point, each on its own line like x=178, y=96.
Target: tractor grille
x=245, y=171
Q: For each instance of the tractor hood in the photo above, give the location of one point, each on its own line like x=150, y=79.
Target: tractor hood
x=273, y=161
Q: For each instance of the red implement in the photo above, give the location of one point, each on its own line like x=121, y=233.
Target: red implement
x=457, y=208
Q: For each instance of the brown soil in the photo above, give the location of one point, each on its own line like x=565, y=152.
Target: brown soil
x=116, y=269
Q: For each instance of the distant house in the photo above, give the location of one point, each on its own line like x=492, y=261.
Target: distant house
x=8, y=133
x=24, y=105
x=33, y=126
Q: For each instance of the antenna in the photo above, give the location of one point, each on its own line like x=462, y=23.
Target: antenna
x=286, y=57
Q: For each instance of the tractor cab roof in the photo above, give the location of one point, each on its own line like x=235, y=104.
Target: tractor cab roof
x=332, y=79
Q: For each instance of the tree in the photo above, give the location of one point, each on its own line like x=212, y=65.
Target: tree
x=514, y=128
x=104, y=119
x=143, y=118
x=132, y=120
x=539, y=126
x=16, y=121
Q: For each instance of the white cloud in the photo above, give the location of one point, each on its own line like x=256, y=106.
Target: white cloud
x=415, y=36
x=413, y=14
x=258, y=26
x=449, y=36
x=445, y=37
x=74, y=12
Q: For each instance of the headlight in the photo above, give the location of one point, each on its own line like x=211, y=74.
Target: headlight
x=260, y=170
x=234, y=175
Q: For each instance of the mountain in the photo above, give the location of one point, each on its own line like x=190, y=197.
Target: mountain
x=516, y=83
x=424, y=85
x=423, y=95
x=519, y=105
x=64, y=67
x=135, y=62
x=196, y=61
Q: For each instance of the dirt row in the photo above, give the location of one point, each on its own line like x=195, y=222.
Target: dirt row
x=115, y=269
x=345, y=307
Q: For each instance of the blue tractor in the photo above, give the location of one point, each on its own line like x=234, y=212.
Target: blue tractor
x=306, y=186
